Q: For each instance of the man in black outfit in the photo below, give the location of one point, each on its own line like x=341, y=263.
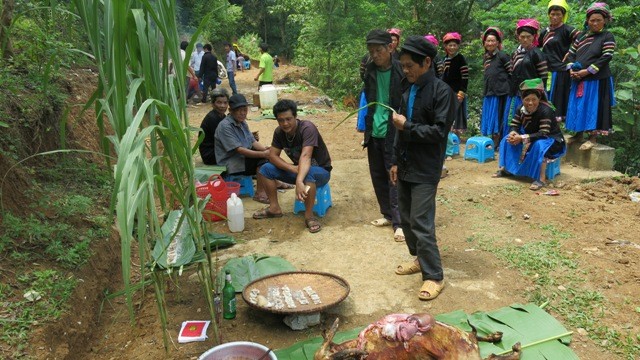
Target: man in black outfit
x=220, y=102
x=209, y=71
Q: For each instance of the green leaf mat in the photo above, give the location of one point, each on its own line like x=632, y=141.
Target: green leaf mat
x=246, y=269
x=542, y=337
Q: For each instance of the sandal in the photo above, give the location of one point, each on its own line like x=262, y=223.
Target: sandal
x=408, y=268
x=500, y=173
x=381, y=222
x=261, y=199
x=265, y=214
x=536, y=185
x=285, y=186
x=313, y=225
x=431, y=287
x=587, y=145
x=398, y=235
x=444, y=173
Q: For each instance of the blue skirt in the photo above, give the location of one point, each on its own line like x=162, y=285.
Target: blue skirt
x=494, y=115
x=592, y=110
x=532, y=162
x=362, y=114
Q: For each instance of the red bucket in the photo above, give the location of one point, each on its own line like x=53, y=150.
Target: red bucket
x=233, y=188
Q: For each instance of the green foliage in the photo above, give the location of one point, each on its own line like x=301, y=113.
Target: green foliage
x=248, y=45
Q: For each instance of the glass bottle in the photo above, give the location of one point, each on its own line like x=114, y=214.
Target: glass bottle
x=228, y=298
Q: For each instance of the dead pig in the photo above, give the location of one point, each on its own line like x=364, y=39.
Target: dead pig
x=409, y=337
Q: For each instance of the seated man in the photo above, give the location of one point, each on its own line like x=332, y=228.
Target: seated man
x=220, y=102
x=311, y=166
x=534, y=139
x=236, y=148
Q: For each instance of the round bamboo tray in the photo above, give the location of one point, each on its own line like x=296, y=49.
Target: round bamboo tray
x=331, y=290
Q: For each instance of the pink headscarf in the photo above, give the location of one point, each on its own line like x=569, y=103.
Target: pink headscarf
x=452, y=36
x=395, y=31
x=432, y=39
x=530, y=23
x=492, y=30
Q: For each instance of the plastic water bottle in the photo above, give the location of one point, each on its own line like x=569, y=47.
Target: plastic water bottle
x=235, y=214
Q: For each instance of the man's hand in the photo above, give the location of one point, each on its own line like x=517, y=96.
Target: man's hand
x=265, y=153
x=301, y=191
x=460, y=96
x=398, y=120
x=393, y=174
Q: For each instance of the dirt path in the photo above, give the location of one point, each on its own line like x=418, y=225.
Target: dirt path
x=471, y=206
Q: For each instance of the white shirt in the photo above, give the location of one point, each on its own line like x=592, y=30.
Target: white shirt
x=196, y=59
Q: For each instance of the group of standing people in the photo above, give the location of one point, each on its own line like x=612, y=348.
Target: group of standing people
x=424, y=98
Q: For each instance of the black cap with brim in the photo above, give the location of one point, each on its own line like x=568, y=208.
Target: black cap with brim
x=419, y=46
x=378, y=37
x=236, y=101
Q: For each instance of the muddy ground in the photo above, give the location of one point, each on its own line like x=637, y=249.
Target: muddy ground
x=471, y=205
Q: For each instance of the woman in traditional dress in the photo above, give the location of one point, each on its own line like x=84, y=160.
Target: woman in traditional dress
x=591, y=96
x=454, y=71
x=556, y=40
x=497, y=70
x=527, y=62
x=534, y=138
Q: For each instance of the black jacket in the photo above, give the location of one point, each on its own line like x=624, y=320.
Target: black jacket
x=419, y=148
x=209, y=66
x=371, y=94
x=497, y=73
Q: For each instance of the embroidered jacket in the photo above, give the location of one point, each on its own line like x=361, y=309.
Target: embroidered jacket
x=593, y=52
x=455, y=72
x=555, y=45
x=497, y=71
x=527, y=64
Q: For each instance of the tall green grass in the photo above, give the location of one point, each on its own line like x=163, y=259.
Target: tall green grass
x=141, y=114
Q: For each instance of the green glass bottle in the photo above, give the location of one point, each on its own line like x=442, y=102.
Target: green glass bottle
x=228, y=298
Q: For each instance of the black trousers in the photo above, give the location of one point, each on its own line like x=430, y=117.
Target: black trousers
x=386, y=193
x=209, y=82
x=417, y=204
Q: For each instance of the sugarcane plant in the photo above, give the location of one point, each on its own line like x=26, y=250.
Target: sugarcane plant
x=140, y=106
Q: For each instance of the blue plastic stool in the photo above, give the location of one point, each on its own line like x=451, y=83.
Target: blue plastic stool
x=480, y=148
x=553, y=169
x=453, y=145
x=246, y=183
x=247, y=64
x=322, y=203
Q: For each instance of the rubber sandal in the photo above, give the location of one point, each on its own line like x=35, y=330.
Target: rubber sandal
x=398, y=235
x=265, y=214
x=433, y=288
x=262, y=200
x=313, y=225
x=408, y=268
x=500, y=173
x=536, y=185
x=587, y=145
x=285, y=186
x=381, y=222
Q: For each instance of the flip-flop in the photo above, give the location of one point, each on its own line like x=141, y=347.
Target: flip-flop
x=408, y=268
x=313, y=225
x=433, y=288
x=381, y=222
x=286, y=186
x=536, y=185
x=265, y=214
x=398, y=235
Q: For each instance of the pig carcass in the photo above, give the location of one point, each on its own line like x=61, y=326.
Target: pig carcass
x=409, y=337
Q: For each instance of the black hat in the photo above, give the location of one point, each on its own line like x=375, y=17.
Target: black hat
x=420, y=46
x=378, y=36
x=236, y=101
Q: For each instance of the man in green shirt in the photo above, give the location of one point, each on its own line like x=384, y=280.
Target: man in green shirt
x=382, y=84
x=265, y=75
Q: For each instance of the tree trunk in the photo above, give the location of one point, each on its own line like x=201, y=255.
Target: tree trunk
x=6, y=49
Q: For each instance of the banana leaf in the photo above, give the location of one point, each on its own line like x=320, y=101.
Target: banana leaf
x=542, y=337
x=246, y=269
x=176, y=246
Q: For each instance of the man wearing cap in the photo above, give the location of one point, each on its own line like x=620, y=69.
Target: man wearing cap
x=426, y=114
x=382, y=84
x=235, y=146
x=231, y=64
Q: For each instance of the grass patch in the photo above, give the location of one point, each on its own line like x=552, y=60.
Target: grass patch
x=557, y=281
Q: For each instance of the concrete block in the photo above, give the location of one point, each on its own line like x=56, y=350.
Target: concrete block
x=599, y=158
x=302, y=321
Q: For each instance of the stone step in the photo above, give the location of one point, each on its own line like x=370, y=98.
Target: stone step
x=599, y=158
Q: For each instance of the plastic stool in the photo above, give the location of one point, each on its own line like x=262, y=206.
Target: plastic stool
x=246, y=183
x=322, y=203
x=480, y=148
x=247, y=64
x=553, y=169
x=453, y=145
